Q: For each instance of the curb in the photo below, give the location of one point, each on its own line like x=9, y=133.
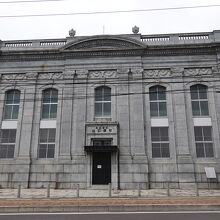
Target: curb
x=108, y=208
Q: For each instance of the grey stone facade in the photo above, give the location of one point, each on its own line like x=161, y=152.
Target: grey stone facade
x=129, y=65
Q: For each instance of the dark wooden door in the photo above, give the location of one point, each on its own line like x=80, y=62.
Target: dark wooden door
x=101, y=168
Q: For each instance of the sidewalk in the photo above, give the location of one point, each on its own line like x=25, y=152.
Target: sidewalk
x=94, y=193
x=35, y=200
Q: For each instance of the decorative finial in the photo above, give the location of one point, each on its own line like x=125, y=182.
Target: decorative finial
x=135, y=29
x=72, y=33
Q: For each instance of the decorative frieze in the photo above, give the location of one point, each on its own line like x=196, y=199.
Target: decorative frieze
x=216, y=69
x=81, y=74
x=31, y=75
x=69, y=74
x=122, y=70
x=35, y=75
x=51, y=75
x=103, y=73
x=197, y=71
x=137, y=71
x=157, y=73
x=177, y=71
x=13, y=77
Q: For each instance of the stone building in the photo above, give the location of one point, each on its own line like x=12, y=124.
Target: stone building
x=131, y=110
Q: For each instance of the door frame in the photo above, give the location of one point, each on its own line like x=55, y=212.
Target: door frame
x=114, y=170
x=108, y=164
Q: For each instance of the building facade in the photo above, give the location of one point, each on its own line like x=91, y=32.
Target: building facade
x=131, y=110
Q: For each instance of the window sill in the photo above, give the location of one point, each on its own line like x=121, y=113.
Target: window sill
x=45, y=159
x=102, y=119
x=206, y=159
x=12, y=161
x=48, y=119
x=9, y=124
x=162, y=159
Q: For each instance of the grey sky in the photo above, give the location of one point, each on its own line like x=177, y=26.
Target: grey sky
x=155, y=22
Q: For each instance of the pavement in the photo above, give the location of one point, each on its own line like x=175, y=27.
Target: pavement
x=44, y=200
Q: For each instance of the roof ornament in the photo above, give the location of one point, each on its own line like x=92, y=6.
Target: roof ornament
x=72, y=33
x=135, y=29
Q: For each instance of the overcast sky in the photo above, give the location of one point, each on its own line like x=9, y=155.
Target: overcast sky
x=153, y=22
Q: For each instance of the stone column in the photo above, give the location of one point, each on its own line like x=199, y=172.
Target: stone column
x=25, y=121
x=214, y=103
x=79, y=159
x=134, y=169
x=136, y=113
x=185, y=166
x=79, y=112
x=24, y=130
x=66, y=117
x=122, y=113
x=2, y=98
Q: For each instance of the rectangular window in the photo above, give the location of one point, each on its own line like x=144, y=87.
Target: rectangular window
x=7, y=143
x=158, y=103
x=160, y=142
x=47, y=143
x=199, y=100
x=11, y=106
x=102, y=142
x=49, y=105
x=203, y=139
x=103, y=102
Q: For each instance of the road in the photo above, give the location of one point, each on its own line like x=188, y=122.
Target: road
x=115, y=216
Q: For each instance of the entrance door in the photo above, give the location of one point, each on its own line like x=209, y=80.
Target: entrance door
x=101, y=168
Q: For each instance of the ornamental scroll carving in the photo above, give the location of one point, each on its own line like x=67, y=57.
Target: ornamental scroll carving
x=157, y=73
x=215, y=69
x=31, y=75
x=35, y=75
x=197, y=71
x=69, y=74
x=58, y=75
x=177, y=71
x=13, y=77
x=137, y=71
x=103, y=74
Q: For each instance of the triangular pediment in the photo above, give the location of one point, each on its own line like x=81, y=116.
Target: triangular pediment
x=103, y=43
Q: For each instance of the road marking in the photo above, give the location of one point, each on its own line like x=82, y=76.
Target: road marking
x=110, y=213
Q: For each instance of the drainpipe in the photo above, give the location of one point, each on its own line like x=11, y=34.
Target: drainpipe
x=118, y=169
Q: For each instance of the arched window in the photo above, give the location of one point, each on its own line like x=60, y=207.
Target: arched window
x=49, y=104
x=103, y=101
x=158, y=103
x=12, y=101
x=199, y=100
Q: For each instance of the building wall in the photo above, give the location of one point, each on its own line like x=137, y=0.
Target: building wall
x=129, y=78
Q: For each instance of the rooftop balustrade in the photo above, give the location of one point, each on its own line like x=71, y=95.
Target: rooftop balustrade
x=159, y=39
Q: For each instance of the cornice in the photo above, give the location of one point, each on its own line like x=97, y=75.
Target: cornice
x=56, y=54
x=182, y=50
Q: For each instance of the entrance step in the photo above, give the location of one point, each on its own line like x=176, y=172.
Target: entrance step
x=99, y=187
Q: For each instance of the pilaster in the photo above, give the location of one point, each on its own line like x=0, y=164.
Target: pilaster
x=185, y=166
x=66, y=116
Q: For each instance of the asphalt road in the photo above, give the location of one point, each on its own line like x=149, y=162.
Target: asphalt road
x=115, y=216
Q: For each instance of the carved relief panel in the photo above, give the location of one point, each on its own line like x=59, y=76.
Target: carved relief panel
x=102, y=130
